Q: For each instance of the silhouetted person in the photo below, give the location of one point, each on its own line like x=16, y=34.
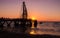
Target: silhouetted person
x=35, y=23
x=16, y=25
x=1, y=24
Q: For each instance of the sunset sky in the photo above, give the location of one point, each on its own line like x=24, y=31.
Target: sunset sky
x=42, y=10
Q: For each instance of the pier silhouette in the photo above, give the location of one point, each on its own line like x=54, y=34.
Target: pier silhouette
x=21, y=23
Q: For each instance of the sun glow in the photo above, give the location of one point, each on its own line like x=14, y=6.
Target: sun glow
x=33, y=18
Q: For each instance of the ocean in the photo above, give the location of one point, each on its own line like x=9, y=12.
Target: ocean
x=52, y=28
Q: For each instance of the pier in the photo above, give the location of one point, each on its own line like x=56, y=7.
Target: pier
x=20, y=24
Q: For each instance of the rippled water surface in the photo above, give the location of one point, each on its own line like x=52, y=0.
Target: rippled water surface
x=44, y=28
x=48, y=28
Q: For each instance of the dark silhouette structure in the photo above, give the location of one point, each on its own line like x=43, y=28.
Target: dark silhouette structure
x=22, y=23
x=24, y=15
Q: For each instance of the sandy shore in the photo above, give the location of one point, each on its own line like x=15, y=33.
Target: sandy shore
x=4, y=34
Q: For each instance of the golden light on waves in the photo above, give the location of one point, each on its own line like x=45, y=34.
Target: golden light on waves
x=32, y=32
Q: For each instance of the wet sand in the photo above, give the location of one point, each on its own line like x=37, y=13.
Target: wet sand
x=4, y=34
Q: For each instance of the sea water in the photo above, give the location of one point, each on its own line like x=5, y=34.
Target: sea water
x=51, y=28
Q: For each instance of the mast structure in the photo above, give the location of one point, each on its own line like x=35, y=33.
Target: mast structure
x=24, y=15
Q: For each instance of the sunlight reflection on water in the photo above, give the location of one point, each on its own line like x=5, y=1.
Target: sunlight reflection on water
x=32, y=29
x=32, y=32
x=45, y=29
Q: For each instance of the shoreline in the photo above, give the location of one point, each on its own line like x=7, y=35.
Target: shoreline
x=4, y=34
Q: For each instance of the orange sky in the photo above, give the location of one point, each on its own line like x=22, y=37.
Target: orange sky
x=39, y=9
